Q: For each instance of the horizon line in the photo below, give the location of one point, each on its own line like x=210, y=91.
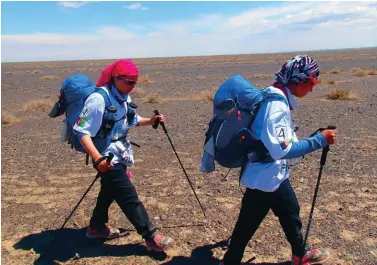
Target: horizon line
x=183, y=56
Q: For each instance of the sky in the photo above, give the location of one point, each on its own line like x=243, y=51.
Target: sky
x=50, y=31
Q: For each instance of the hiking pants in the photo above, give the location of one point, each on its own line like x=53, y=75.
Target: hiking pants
x=115, y=185
x=255, y=206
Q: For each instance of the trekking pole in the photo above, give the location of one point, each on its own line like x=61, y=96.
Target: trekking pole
x=108, y=160
x=322, y=163
x=226, y=175
x=166, y=132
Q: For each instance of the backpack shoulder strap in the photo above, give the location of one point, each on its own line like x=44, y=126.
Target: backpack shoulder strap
x=273, y=97
x=131, y=111
x=266, y=97
x=105, y=96
x=109, y=118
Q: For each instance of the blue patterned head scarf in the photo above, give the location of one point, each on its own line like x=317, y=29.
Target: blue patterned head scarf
x=297, y=69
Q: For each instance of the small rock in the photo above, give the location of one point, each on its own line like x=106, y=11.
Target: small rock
x=163, y=217
x=156, y=218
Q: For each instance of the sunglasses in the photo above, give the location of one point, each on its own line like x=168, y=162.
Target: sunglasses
x=128, y=81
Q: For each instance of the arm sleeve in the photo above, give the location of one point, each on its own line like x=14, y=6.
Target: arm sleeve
x=306, y=146
x=135, y=121
x=90, y=118
x=277, y=134
x=279, y=138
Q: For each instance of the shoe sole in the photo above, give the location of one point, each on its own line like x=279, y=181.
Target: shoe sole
x=160, y=249
x=321, y=261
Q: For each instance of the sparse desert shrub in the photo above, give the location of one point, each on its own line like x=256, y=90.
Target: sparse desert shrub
x=372, y=72
x=7, y=118
x=153, y=99
x=137, y=91
x=206, y=96
x=9, y=73
x=37, y=72
x=336, y=70
x=342, y=94
x=326, y=82
x=144, y=79
x=39, y=104
x=50, y=77
x=361, y=72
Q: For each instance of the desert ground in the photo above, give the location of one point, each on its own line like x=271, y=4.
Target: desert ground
x=43, y=179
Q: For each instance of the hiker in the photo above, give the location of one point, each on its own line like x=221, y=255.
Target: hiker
x=267, y=180
x=117, y=80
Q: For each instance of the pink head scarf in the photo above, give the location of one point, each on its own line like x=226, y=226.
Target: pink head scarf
x=123, y=67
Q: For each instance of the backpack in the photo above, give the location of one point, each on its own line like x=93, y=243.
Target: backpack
x=73, y=94
x=235, y=106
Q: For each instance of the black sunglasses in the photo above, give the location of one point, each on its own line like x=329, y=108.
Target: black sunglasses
x=128, y=81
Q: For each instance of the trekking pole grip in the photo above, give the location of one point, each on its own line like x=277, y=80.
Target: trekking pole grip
x=155, y=126
x=162, y=123
x=326, y=149
x=109, y=157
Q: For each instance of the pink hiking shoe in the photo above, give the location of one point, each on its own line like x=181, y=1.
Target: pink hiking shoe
x=313, y=256
x=106, y=233
x=159, y=243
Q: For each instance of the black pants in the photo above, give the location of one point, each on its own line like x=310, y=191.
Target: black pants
x=115, y=185
x=255, y=206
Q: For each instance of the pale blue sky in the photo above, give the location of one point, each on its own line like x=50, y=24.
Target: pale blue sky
x=43, y=31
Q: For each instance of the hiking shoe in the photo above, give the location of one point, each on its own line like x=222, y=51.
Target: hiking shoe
x=106, y=233
x=313, y=256
x=159, y=243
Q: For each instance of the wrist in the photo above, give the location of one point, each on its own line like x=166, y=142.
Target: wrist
x=322, y=139
x=95, y=157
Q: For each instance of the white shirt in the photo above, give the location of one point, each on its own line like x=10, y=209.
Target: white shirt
x=90, y=121
x=273, y=126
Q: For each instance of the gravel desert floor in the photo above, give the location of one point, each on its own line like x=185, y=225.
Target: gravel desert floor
x=42, y=178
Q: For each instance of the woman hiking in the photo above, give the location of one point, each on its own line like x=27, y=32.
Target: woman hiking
x=267, y=182
x=117, y=80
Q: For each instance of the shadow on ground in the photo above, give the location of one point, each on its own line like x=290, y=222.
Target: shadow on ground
x=204, y=256
x=62, y=246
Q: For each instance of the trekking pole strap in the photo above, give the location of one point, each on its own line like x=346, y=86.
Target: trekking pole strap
x=99, y=160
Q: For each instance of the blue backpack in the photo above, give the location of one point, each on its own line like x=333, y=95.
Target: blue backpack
x=73, y=94
x=235, y=106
